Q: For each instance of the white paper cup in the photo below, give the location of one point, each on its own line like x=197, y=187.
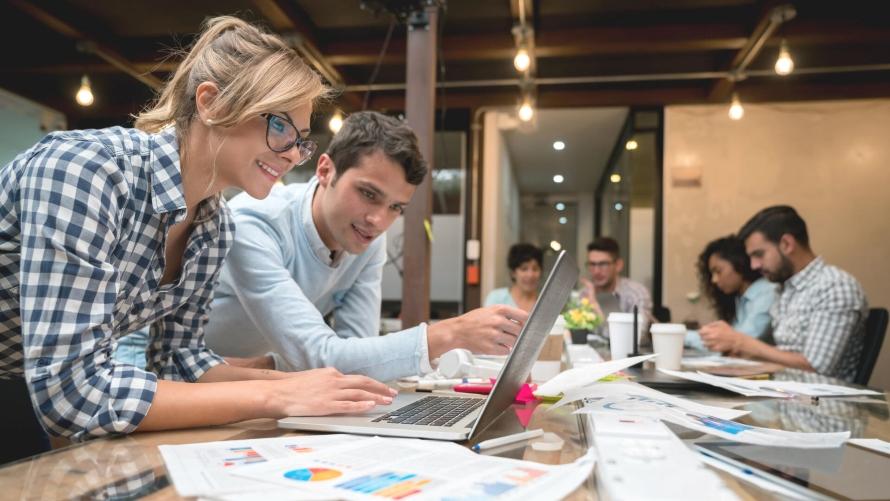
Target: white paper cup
x=667, y=342
x=621, y=328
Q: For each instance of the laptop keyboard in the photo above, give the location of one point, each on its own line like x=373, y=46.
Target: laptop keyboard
x=433, y=411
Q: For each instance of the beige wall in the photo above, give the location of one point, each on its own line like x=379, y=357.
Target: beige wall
x=500, y=207
x=830, y=160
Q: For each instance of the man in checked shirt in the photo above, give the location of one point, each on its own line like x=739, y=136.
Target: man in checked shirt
x=818, y=321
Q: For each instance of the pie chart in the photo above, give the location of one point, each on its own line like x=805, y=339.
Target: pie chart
x=312, y=474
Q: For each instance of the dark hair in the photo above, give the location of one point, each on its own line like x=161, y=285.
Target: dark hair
x=775, y=221
x=522, y=253
x=605, y=244
x=732, y=249
x=365, y=132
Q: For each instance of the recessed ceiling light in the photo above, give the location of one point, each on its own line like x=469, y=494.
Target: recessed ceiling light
x=555, y=245
x=560, y=206
x=615, y=178
x=559, y=145
x=563, y=220
x=619, y=206
x=558, y=178
x=631, y=145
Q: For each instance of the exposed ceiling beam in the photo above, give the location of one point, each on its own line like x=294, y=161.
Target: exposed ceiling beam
x=768, y=23
x=87, y=42
x=629, y=78
x=285, y=18
x=688, y=94
x=288, y=19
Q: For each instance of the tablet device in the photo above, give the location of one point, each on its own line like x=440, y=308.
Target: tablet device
x=849, y=472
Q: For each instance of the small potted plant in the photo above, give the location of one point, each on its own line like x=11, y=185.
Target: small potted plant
x=581, y=320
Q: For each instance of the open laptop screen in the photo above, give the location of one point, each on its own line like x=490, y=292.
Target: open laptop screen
x=528, y=346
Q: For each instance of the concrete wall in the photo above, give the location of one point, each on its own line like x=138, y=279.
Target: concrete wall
x=830, y=160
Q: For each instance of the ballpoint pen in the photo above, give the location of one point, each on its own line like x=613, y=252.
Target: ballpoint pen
x=516, y=437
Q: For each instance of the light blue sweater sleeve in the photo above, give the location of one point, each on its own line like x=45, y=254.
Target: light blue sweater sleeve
x=752, y=316
x=295, y=328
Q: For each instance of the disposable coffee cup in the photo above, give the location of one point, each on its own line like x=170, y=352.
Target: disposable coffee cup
x=621, y=333
x=667, y=342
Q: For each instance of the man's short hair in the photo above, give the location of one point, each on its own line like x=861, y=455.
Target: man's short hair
x=365, y=132
x=775, y=221
x=605, y=244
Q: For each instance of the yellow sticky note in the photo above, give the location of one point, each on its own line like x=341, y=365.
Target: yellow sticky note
x=429, y=229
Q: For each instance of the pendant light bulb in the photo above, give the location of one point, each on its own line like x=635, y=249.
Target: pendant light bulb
x=84, y=96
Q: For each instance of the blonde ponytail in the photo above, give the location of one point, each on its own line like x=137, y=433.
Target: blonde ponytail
x=256, y=72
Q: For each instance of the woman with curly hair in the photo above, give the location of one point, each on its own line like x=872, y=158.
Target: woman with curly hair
x=741, y=296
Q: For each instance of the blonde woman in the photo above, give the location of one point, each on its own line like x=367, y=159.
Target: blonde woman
x=105, y=231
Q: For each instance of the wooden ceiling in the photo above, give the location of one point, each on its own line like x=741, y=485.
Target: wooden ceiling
x=587, y=53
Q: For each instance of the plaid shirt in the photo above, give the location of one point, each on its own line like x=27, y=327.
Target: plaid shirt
x=83, y=220
x=821, y=314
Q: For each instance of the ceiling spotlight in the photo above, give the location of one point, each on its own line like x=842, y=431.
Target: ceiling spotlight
x=558, y=178
x=559, y=145
x=560, y=206
x=631, y=145
x=563, y=220
x=84, y=96
x=526, y=111
x=784, y=64
x=336, y=122
x=736, y=112
x=615, y=178
x=619, y=206
x=556, y=246
x=522, y=60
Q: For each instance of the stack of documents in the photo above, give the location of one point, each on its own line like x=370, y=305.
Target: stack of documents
x=627, y=399
x=355, y=467
x=778, y=389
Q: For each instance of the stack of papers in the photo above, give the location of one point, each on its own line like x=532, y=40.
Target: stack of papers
x=355, y=467
x=778, y=389
x=633, y=400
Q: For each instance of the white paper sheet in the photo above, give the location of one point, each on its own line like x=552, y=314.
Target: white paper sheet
x=716, y=360
x=589, y=374
x=875, y=444
x=636, y=404
x=776, y=389
x=641, y=401
x=204, y=469
x=375, y=467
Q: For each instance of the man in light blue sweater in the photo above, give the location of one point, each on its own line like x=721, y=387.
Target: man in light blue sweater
x=312, y=249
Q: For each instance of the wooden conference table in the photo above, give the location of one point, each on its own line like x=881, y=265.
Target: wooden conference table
x=131, y=467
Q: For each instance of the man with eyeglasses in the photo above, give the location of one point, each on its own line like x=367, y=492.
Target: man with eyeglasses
x=314, y=250
x=604, y=265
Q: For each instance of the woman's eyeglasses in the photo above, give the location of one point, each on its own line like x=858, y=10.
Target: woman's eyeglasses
x=282, y=135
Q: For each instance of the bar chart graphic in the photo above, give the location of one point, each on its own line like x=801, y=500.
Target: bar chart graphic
x=299, y=449
x=388, y=484
x=237, y=456
x=312, y=474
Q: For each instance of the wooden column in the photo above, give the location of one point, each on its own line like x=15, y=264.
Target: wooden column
x=420, y=102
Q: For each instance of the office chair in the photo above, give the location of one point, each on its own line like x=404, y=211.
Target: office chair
x=875, y=328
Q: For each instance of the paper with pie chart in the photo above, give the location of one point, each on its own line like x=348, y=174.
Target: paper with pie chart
x=205, y=468
x=385, y=468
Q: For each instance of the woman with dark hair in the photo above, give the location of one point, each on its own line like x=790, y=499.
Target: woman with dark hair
x=741, y=296
x=525, y=262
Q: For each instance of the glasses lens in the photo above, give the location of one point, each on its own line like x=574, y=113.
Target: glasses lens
x=281, y=135
x=307, y=149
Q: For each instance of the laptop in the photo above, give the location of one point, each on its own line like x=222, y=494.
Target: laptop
x=459, y=417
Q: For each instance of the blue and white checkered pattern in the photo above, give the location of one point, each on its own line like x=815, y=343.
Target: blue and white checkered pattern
x=83, y=220
x=821, y=314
